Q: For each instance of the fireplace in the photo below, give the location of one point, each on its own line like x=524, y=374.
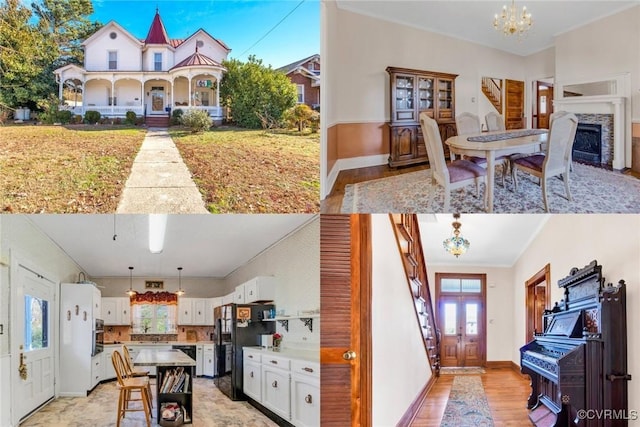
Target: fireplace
x=587, y=146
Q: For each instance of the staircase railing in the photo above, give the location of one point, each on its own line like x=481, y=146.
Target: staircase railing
x=492, y=89
x=407, y=234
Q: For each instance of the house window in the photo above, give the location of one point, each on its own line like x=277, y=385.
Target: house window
x=157, y=62
x=113, y=60
x=300, y=94
x=312, y=66
x=154, y=319
x=113, y=35
x=36, y=331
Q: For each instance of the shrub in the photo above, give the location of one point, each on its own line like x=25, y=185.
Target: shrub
x=64, y=117
x=130, y=118
x=197, y=120
x=176, y=117
x=139, y=120
x=92, y=117
x=77, y=119
x=314, y=121
x=299, y=116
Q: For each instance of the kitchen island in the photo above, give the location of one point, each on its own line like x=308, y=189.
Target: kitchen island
x=174, y=380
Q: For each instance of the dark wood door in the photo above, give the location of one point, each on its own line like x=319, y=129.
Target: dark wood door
x=462, y=330
x=345, y=298
x=514, y=112
x=544, y=104
x=538, y=299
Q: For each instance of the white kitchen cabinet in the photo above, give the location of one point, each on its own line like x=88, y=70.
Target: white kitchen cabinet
x=185, y=311
x=209, y=362
x=116, y=311
x=216, y=302
x=108, y=373
x=209, y=306
x=97, y=373
x=238, y=296
x=305, y=393
x=199, y=359
x=261, y=288
x=276, y=390
x=252, y=380
x=228, y=299
x=199, y=311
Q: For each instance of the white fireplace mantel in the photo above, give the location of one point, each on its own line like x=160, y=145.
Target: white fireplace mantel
x=604, y=105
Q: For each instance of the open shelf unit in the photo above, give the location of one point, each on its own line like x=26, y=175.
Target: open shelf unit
x=307, y=319
x=183, y=398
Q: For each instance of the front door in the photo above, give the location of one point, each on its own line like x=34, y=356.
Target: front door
x=461, y=316
x=545, y=106
x=157, y=100
x=514, y=113
x=33, y=344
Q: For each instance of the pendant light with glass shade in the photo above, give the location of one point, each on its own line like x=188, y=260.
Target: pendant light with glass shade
x=131, y=292
x=180, y=291
x=456, y=244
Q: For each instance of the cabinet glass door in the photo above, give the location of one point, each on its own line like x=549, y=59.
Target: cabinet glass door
x=404, y=93
x=445, y=94
x=425, y=93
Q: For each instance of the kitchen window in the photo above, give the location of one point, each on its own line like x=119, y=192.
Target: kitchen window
x=154, y=319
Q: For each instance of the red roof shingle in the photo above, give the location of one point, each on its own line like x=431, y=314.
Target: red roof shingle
x=157, y=33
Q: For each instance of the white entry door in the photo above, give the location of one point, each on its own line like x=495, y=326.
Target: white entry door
x=33, y=342
x=157, y=100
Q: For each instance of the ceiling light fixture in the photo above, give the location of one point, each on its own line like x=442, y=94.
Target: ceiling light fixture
x=131, y=292
x=180, y=290
x=157, y=229
x=510, y=22
x=456, y=244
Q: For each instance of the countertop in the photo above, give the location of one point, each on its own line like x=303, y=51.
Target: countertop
x=163, y=358
x=164, y=343
x=307, y=355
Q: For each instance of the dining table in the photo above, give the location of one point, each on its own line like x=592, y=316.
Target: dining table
x=491, y=145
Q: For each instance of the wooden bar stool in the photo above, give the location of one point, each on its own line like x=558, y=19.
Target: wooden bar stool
x=132, y=373
x=126, y=385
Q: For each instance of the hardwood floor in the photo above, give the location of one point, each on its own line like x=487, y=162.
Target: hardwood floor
x=506, y=390
x=333, y=202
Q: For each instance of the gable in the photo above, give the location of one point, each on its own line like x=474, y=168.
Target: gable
x=206, y=45
x=106, y=30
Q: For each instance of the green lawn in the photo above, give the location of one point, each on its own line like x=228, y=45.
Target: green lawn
x=56, y=169
x=253, y=171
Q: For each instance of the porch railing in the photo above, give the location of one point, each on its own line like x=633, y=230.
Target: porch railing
x=107, y=110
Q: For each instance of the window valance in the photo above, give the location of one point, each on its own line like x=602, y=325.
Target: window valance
x=166, y=298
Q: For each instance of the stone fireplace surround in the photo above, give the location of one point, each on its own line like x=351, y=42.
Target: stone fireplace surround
x=609, y=111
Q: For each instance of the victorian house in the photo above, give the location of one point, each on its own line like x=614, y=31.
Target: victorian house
x=150, y=76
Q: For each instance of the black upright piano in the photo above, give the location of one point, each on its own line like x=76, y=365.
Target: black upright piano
x=578, y=366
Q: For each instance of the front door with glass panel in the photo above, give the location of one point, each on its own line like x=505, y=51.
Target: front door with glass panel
x=461, y=321
x=157, y=100
x=34, y=342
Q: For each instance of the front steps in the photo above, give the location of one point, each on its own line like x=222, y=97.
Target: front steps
x=157, y=121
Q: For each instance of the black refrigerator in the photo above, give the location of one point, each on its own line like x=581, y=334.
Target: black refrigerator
x=231, y=336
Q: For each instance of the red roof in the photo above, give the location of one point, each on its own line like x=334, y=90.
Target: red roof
x=157, y=33
x=195, y=60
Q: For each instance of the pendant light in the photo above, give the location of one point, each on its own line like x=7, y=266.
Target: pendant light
x=180, y=290
x=131, y=292
x=456, y=244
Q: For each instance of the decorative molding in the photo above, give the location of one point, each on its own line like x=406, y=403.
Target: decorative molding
x=413, y=409
x=353, y=163
x=499, y=364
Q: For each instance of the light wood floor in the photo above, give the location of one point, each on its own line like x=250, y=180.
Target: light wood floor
x=333, y=202
x=506, y=390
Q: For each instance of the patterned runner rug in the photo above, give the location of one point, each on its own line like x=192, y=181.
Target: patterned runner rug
x=462, y=371
x=467, y=405
x=594, y=190
x=508, y=135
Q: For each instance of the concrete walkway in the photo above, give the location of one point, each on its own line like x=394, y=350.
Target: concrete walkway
x=160, y=181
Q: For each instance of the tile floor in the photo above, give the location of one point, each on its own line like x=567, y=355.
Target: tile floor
x=211, y=409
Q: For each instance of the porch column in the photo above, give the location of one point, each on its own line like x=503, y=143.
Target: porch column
x=189, y=91
x=60, y=85
x=172, y=93
x=142, y=96
x=113, y=92
x=218, y=93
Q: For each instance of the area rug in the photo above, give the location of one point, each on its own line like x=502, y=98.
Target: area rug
x=594, y=190
x=467, y=405
x=462, y=371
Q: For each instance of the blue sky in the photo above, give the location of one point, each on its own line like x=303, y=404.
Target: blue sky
x=238, y=23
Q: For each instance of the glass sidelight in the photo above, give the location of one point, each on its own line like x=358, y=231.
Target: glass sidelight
x=36, y=325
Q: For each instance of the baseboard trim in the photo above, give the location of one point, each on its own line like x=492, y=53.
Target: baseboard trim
x=498, y=364
x=353, y=163
x=414, y=408
x=516, y=369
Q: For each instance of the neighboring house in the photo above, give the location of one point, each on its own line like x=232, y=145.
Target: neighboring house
x=305, y=74
x=151, y=76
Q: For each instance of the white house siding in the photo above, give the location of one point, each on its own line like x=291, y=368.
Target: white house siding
x=128, y=92
x=167, y=58
x=96, y=93
x=211, y=48
x=181, y=90
x=97, y=53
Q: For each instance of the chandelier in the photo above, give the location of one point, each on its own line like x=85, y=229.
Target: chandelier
x=456, y=244
x=510, y=22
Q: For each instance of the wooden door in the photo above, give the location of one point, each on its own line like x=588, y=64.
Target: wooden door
x=538, y=292
x=345, y=338
x=514, y=98
x=462, y=330
x=544, y=103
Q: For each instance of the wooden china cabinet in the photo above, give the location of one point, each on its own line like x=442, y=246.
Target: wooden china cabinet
x=411, y=93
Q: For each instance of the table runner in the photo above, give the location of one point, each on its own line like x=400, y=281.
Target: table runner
x=507, y=135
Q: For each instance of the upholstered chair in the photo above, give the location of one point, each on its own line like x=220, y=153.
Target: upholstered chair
x=494, y=121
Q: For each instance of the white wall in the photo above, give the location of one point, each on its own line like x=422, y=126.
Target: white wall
x=568, y=241
x=5, y=391
x=96, y=93
x=400, y=362
x=195, y=287
x=499, y=312
x=211, y=48
x=129, y=52
x=148, y=63
x=364, y=47
x=295, y=263
x=127, y=91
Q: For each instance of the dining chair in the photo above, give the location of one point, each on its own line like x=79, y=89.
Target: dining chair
x=132, y=373
x=494, y=121
x=457, y=174
x=469, y=124
x=556, y=160
x=126, y=385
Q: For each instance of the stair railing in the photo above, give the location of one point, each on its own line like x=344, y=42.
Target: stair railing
x=492, y=89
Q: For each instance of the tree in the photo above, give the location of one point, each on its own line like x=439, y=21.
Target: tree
x=252, y=91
